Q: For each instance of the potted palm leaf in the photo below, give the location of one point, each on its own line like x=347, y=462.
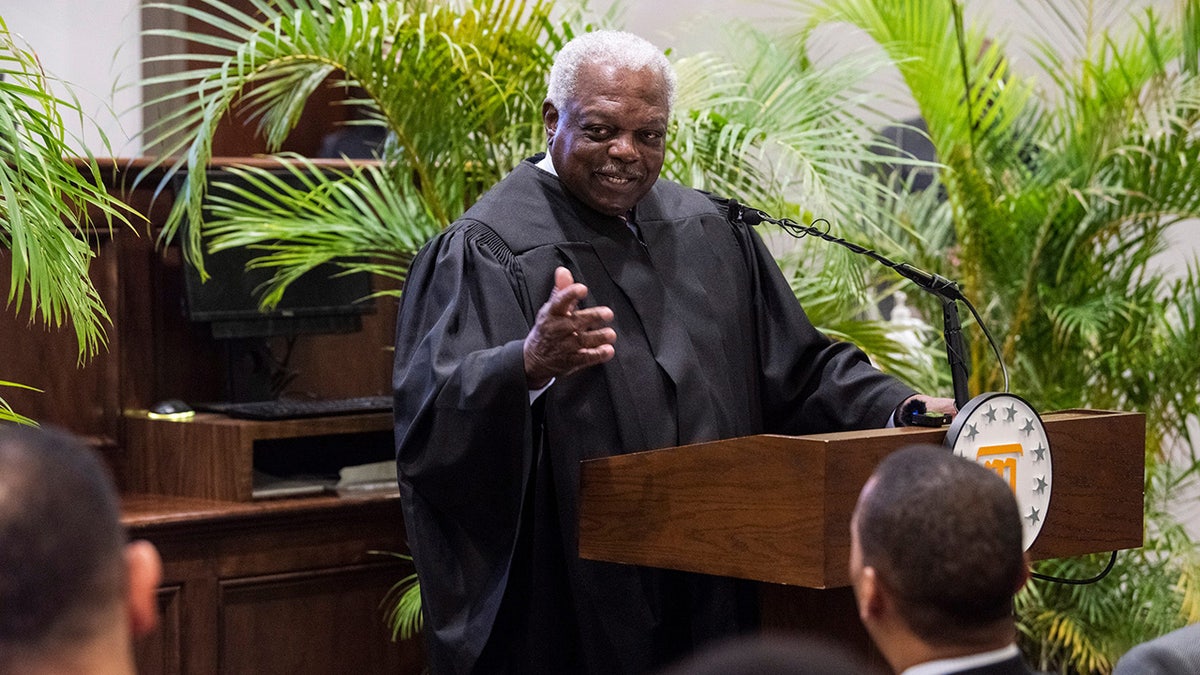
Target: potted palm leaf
x=49, y=196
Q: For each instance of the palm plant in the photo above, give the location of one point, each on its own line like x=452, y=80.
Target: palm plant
x=46, y=200
x=769, y=127
x=1057, y=198
x=748, y=128
x=456, y=84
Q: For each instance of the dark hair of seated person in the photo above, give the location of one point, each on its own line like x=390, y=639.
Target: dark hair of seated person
x=771, y=654
x=945, y=536
x=73, y=591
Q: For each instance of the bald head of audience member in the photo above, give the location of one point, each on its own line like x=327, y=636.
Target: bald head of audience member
x=936, y=557
x=73, y=592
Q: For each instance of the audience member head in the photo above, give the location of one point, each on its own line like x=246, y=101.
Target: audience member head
x=608, y=102
x=936, y=557
x=72, y=591
x=770, y=655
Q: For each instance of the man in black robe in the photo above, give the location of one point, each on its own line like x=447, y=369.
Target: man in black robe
x=665, y=324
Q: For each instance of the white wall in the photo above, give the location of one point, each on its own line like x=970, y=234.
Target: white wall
x=93, y=45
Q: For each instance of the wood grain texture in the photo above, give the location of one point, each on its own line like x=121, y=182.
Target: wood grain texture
x=213, y=456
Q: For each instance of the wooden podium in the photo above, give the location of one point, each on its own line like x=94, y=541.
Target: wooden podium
x=777, y=509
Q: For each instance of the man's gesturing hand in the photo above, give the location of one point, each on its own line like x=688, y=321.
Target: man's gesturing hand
x=565, y=338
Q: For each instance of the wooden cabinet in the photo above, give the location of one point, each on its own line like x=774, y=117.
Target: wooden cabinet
x=290, y=586
x=282, y=586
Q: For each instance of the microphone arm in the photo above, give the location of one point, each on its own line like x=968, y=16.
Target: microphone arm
x=946, y=290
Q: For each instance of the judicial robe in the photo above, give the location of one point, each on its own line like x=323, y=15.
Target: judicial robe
x=711, y=344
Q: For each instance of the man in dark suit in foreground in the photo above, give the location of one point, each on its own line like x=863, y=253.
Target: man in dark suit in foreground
x=935, y=559
x=1176, y=653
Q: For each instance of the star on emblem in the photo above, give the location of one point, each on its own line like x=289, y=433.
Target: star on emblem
x=990, y=414
x=972, y=432
x=1010, y=413
x=1028, y=427
x=1040, y=451
x=1041, y=486
x=1033, y=516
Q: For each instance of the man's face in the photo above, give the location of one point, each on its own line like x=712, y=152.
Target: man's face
x=607, y=142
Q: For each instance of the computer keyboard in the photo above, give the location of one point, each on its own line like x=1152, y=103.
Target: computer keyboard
x=286, y=409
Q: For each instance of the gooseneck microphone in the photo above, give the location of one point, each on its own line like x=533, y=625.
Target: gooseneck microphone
x=946, y=290
x=934, y=283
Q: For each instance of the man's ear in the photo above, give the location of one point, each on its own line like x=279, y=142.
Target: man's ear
x=872, y=600
x=1025, y=572
x=549, y=120
x=144, y=567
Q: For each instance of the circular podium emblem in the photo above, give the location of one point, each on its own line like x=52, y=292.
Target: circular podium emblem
x=1005, y=434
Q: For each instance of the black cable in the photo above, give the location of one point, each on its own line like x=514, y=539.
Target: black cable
x=1112, y=560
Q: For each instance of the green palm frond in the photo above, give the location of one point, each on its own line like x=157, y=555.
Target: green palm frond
x=7, y=414
x=459, y=86
x=403, y=602
x=770, y=129
x=45, y=199
x=342, y=217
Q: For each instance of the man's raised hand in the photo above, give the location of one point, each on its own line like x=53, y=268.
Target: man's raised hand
x=565, y=338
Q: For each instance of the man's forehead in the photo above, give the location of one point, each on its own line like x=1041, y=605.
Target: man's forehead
x=620, y=99
x=604, y=75
x=621, y=113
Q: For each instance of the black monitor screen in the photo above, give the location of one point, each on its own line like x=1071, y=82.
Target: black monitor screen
x=318, y=302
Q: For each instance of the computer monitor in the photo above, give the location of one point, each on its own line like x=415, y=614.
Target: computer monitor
x=320, y=302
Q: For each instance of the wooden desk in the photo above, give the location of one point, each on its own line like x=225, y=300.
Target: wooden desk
x=213, y=456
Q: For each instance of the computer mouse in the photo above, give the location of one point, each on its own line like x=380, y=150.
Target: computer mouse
x=171, y=408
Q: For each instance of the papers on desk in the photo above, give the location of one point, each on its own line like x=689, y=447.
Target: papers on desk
x=373, y=477
x=351, y=481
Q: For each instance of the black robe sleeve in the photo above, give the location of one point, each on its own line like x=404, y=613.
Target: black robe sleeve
x=464, y=432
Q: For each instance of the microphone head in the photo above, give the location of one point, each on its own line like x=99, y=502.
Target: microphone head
x=752, y=217
x=744, y=214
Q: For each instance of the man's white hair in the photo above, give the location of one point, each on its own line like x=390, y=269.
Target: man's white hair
x=611, y=47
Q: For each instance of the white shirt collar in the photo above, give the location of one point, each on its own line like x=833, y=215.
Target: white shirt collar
x=955, y=665
x=546, y=164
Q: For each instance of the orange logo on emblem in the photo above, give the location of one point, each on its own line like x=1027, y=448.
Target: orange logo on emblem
x=1003, y=460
